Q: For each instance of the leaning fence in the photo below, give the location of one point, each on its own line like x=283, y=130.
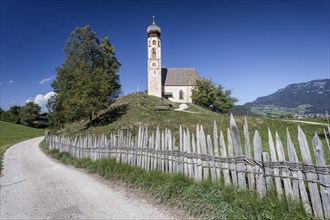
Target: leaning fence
x=201, y=157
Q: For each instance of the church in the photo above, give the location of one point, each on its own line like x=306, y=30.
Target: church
x=175, y=84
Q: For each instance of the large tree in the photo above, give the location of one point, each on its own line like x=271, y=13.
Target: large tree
x=212, y=96
x=88, y=78
x=29, y=114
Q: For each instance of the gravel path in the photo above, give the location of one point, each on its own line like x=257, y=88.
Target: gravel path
x=36, y=187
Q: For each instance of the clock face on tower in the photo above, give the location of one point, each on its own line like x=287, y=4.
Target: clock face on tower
x=153, y=64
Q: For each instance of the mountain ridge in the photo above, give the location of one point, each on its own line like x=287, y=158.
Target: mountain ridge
x=315, y=95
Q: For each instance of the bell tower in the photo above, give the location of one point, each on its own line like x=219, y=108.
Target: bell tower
x=154, y=60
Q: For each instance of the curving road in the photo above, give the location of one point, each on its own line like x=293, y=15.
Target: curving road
x=36, y=187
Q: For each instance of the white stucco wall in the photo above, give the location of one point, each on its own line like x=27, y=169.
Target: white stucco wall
x=175, y=90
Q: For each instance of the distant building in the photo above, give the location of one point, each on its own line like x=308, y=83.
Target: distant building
x=174, y=84
x=42, y=118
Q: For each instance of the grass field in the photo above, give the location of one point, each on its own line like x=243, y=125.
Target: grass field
x=132, y=111
x=12, y=133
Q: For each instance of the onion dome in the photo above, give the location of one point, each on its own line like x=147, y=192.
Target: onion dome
x=153, y=29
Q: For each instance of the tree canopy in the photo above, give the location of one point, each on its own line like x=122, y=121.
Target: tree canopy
x=29, y=114
x=26, y=115
x=87, y=80
x=212, y=96
x=12, y=115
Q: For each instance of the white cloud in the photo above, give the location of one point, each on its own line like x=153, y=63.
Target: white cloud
x=46, y=80
x=10, y=81
x=41, y=100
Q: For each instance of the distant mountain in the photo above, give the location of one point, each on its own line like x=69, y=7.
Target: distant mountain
x=314, y=95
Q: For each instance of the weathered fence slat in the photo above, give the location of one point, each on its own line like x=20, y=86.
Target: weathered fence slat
x=260, y=180
x=193, y=145
x=185, y=159
x=238, y=153
x=170, y=148
x=250, y=175
x=284, y=169
x=198, y=149
x=324, y=179
x=225, y=165
x=204, y=152
x=211, y=161
x=232, y=164
x=216, y=149
x=265, y=159
x=298, y=186
x=190, y=165
x=273, y=157
x=310, y=176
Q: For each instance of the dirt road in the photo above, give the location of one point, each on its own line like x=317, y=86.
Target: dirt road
x=36, y=187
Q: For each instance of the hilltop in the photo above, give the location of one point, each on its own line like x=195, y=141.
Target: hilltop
x=131, y=111
x=134, y=110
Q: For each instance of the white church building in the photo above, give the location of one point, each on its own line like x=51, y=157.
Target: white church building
x=175, y=84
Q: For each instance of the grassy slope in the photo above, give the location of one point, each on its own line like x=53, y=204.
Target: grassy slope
x=203, y=199
x=131, y=111
x=12, y=133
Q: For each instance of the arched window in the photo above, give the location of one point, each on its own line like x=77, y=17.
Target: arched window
x=154, y=53
x=158, y=43
x=149, y=43
x=154, y=42
x=180, y=94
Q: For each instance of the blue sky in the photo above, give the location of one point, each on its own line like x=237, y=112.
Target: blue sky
x=251, y=47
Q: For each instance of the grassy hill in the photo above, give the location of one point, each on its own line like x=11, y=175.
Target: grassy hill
x=13, y=133
x=132, y=111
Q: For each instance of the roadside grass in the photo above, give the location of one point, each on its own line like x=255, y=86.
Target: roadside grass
x=200, y=199
x=13, y=133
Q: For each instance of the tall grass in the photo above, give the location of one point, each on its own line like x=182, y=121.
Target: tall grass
x=11, y=134
x=200, y=199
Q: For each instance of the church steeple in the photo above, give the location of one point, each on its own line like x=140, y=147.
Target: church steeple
x=153, y=29
x=154, y=60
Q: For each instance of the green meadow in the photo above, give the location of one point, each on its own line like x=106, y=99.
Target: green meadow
x=13, y=133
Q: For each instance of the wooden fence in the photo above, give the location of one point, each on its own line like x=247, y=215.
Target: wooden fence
x=201, y=157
